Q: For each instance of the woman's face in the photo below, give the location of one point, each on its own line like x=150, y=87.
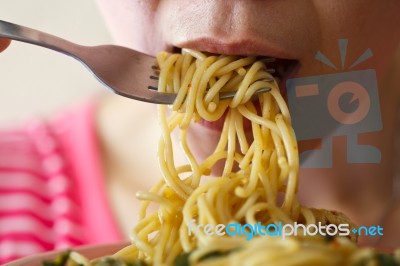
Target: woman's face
x=291, y=29
x=294, y=29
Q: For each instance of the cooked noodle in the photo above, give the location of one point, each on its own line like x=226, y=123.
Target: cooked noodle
x=259, y=179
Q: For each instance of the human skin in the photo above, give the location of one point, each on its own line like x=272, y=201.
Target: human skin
x=293, y=29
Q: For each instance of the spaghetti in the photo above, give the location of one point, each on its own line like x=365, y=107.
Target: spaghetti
x=259, y=179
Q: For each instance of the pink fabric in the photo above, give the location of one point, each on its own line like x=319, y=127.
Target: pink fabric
x=52, y=193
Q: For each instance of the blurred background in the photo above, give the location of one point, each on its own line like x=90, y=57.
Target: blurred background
x=36, y=81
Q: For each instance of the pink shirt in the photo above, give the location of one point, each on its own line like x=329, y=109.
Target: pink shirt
x=52, y=193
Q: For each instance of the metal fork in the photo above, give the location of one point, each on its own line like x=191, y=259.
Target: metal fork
x=126, y=72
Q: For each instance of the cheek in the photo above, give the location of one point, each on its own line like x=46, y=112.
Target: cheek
x=131, y=23
x=366, y=24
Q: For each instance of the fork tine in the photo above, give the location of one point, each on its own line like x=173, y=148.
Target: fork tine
x=268, y=59
x=152, y=88
x=156, y=70
x=268, y=79
x=271, y=70
x=222, y=95
x=230, y=94
x=225, y=94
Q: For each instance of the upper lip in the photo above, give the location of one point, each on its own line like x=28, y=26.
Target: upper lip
x=236, y=47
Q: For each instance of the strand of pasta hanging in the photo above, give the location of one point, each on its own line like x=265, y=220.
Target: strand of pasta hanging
x=255, y=173
x=258, y=183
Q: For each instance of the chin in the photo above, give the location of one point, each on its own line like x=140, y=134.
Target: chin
x=203, y=141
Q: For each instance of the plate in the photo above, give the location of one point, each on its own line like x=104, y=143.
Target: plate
x=90, y=251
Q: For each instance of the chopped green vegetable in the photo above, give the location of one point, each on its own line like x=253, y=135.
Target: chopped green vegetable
x=386, y=260
x=379, y=259
x=60, y=260
x=137, y=263
x=329, y=238
x=110, y=261
x=214, y=254
x=182, y=259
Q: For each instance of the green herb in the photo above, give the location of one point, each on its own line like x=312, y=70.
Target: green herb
x=386, y=260
x=378, y=259
x=329, y=238
x=60, y=260
x=137, y=263
x=214, y=254
x=182, y=259
x=110, y=261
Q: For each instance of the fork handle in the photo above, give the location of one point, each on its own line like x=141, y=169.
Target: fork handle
x=24, y=34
